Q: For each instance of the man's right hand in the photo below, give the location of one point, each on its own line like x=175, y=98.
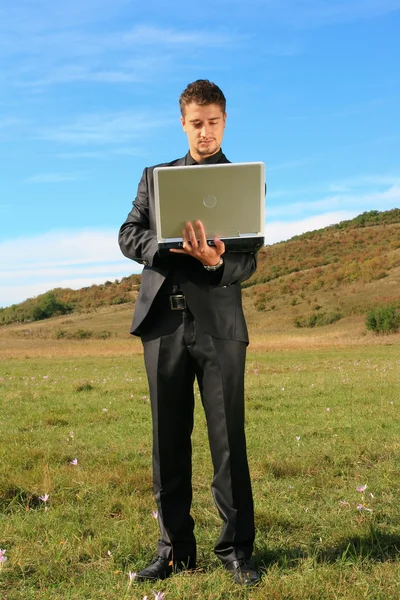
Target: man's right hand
x=195, y=244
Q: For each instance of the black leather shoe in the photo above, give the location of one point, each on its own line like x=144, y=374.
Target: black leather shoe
x=242, y=571
x=161, y=568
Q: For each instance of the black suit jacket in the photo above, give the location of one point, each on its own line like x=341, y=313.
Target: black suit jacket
x=214, y=298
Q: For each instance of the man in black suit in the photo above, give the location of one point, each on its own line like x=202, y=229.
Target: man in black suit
x=189, y=316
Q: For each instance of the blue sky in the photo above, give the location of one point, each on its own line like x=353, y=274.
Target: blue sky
x=89, y=97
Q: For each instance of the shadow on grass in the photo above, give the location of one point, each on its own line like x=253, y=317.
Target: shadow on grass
x=375, y=546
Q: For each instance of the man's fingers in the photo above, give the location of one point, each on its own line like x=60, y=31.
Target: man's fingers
x=191, y=234
x=185, y=243
x=220, y=246
x=202, y=234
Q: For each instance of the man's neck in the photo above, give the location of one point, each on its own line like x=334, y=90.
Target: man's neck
x=211, y=159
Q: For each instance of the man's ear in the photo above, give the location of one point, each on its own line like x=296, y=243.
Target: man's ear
x=183, y=124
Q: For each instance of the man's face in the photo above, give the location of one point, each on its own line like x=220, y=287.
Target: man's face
x=204, y=127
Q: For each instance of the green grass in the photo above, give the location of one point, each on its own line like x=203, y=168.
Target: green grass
x=306, y=462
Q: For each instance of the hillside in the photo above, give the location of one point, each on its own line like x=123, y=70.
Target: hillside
x=333, y=274
x=338, y=271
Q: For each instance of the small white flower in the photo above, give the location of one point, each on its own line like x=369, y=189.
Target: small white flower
x=361, y=507
x=132, y=576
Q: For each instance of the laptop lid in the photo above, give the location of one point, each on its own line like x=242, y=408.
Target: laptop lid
x=228, y=198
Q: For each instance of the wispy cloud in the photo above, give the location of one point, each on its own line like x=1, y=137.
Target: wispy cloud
x=112, y=128
x=53, y=178
x=302, y=14
x=60, y=259
x=326, y=12
x=58, y=55
x=377, y=200
x=366, y=181
x=342, y=113
x=103, y=155
x=363, y=186
x=7, y=122
x=290, y=164
x=150, y=36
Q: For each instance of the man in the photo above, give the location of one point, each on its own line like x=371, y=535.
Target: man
x=190, y=319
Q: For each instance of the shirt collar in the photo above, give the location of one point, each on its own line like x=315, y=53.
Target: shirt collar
x=210, y=160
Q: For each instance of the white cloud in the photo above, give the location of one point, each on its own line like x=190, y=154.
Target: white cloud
x=278, y=231
x=361, y=181
x=103, y=155
x=83, y=258
x=52, y=54
x=360, y=202
x=59, y=259
x=111, y=128
x=316, y=13
x=290, y=164
x=361, y=193
x=53, y=178
x=161, y=36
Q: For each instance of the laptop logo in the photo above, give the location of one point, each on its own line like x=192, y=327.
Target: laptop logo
x=209, y=201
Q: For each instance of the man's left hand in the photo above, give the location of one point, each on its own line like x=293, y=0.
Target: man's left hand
x=195, y=244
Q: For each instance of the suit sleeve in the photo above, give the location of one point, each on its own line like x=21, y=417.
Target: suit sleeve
x=237, y=268
x=136, y=240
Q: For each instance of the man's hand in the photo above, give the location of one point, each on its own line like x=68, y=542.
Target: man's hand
x=195, y=244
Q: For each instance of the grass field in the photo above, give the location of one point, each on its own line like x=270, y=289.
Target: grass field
x=323, y=418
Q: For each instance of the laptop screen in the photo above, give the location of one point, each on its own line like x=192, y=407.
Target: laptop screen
x=229, y=199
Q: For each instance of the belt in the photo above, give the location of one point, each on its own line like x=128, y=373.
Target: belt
x=177, y=302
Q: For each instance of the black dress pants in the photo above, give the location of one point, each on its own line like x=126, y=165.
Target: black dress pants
x=176, y=351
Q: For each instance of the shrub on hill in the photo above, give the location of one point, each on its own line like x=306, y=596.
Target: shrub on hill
x=49, y=306
x=43, y=307
x=384, y=319
x=65, y=300
x=318, y=319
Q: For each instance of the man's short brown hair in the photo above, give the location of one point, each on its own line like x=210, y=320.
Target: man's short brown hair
x=202, y=92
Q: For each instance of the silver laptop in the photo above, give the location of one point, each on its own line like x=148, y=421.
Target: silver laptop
x=229, y=199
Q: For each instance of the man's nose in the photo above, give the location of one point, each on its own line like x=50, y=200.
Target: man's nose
x=204, y=131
